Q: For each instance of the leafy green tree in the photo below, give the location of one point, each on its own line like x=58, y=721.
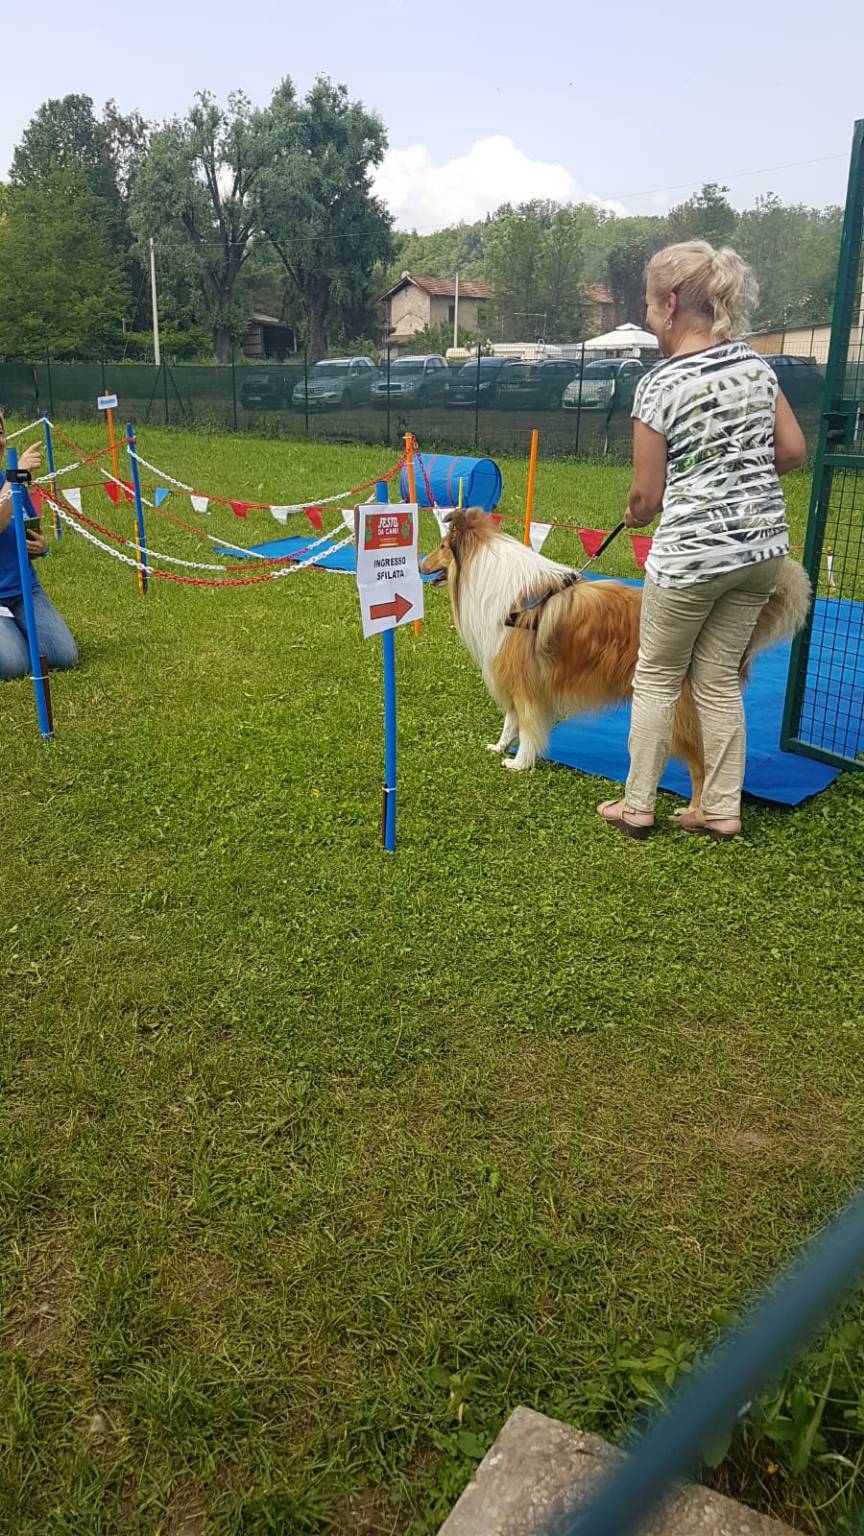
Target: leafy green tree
x=317, y=208
x=62, y=281
x=534, y=264
x=636, y=241
x=708, y=215
x=195, y=191
x=793, y=251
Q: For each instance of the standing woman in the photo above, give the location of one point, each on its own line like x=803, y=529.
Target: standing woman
x=712, y=434
x=56, y=643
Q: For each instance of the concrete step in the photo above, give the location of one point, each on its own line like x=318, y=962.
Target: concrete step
x=536, y=1462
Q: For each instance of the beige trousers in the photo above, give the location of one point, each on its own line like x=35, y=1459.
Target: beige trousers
x=700, y=632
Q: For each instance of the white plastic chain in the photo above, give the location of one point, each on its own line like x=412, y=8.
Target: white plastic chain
x=138, y=565
x=19, y=432
x=296, y=506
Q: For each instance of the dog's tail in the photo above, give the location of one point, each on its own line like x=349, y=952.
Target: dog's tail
x=784, y=613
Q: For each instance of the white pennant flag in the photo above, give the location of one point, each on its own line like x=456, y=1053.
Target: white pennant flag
x=73, y=496
x=348, y=520
x=199, y=503
x=281, y=513
x=539, y=534
x=439, y=513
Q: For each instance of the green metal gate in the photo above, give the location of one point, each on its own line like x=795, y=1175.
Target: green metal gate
x=824, y=713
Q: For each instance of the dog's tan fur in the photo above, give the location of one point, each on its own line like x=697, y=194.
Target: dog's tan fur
x=578, y=651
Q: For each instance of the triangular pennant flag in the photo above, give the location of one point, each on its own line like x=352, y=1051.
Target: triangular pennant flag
x=37, y=496
x=113, y=491
x=128, y=490
x=199, y=503
x=539, y=535
x=73, y=496
x=348, y=520
x=641, y=545
x=592, y=538
x=439, y=514
x=317, y=520
x=494, y=517
x=160, y=494
x=239, y=508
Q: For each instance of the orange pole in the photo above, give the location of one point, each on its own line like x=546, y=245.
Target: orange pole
x=113, y=443
x=532, y=477
x=412, y=492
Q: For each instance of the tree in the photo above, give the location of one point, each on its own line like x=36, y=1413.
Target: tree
x=635, y=242
x=708, y=215
x=316, y=205
x=793, y=252
x=195, y=189
x=62, y=282
x=534, y=263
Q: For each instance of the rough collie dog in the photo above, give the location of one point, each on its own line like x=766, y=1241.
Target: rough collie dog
x=576, y=648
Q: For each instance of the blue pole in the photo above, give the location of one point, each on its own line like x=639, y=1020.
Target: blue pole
x=49, y=453
x=712, y=1397
x=39, y=687
x=143, y=581
x=388, y=649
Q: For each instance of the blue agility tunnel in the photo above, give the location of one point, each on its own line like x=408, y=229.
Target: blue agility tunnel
x=481, y=481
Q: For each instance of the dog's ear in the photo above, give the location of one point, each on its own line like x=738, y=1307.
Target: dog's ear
x=463, y=518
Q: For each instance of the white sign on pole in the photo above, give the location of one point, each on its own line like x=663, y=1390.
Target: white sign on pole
x=388, y=574
x=107, y=402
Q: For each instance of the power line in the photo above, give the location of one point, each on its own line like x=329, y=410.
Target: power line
x=765, y=170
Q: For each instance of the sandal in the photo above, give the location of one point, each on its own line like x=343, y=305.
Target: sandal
x=629, y=828
x=694, y=822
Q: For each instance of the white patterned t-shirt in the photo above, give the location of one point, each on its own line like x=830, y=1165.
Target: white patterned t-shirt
x=723, y=507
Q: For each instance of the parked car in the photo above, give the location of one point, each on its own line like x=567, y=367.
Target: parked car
x=800, y=378
x=267, y=391
x=602, y=378
x=336, y=381
x=537, y=386
x=414, y=381
x=464, y=386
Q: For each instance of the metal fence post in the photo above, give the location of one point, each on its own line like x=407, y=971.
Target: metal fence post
x=477, y=403
x=388, y=393
x=234, y=383
x=165, y=390
x=306, y=386
x=579, y=403
x=50, y=385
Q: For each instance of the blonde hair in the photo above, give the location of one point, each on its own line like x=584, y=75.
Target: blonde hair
x=717, y=284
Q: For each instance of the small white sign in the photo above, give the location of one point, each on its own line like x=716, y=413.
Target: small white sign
x=388, y=574
x=107, y=402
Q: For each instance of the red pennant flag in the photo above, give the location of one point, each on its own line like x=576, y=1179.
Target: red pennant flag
x=592, y=538
x=494, y=517
x=115, y=492
x=641, y=545
x=37, y=496
x=315, y=518
x=239, y=508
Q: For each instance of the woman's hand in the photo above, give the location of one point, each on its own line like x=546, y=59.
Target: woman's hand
x=31, y=458
x=632, y=521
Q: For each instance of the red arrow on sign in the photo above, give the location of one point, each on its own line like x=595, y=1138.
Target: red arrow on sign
x=395, y=609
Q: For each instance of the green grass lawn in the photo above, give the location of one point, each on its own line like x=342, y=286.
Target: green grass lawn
x=315, y=1162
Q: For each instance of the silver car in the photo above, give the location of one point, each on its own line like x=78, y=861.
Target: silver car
x=601, y=379
x=336, y=381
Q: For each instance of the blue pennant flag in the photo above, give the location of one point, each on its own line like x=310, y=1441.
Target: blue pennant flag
x=160, y=494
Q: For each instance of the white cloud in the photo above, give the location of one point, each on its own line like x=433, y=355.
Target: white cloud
x=424, y=196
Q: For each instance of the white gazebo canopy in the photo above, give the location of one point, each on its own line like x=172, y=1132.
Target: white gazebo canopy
x=627, y=338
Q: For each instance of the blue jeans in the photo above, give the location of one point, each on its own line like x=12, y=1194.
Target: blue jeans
x=56, y=642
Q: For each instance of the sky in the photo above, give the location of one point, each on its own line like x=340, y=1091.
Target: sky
x=632, y=106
